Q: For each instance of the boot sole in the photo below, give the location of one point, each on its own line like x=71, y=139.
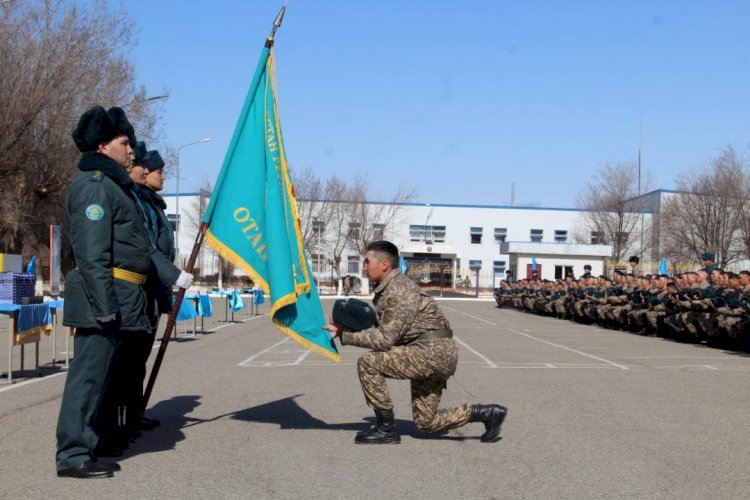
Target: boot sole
x=377, y=442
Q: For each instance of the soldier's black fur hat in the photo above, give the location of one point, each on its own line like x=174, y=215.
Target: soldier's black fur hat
x=709, y=256
x=94, y=127
x=141, y=154
x=587, y=266
x=123, y=125
x=154, y=161
x=354, y=315
x=634, y=258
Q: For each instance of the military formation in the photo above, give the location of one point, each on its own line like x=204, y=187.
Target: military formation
x=123, y=249
x=708, y=305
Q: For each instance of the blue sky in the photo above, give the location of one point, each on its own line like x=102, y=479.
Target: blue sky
x=458, y=99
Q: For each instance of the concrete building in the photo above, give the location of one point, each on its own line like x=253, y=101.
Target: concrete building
x=444, y=244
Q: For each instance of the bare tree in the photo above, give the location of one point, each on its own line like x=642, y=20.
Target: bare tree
x=316, y=205
x=613, y=211
x=374, y=216
x=56, y=60
x=707, y=215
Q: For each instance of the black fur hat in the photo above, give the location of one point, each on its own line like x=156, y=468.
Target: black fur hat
x=634, y=258
x=94, y=127
x=141, y=154
x=154, y=161
x=123, y=125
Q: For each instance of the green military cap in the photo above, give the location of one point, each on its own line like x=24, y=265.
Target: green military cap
x=709, y=256
x=94, y=127
x=141, y=154
x=154, y=161
x=353, y=314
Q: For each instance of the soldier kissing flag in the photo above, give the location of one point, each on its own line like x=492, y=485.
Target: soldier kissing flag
x=253, y=220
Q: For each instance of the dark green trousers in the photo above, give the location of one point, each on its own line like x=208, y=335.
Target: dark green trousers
x=122, y=401
x=83, y=391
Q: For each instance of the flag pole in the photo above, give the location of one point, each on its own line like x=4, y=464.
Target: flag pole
x=173, y=318
x=191, y=263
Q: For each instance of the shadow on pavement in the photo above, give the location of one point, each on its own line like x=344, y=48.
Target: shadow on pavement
x=173, y=416
x=288, y=414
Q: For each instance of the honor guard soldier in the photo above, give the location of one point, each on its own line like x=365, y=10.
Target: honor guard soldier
x=160, y=295
x=105, y=297
x=411, y=341
x=121, y=410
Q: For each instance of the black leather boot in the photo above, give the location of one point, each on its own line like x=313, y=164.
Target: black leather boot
x=492, y=416
x=384, y=432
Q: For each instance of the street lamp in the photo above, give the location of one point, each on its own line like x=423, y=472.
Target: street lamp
x=177, y=194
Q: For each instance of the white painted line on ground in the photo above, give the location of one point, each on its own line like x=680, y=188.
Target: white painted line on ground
x=302, y=357
x=513, y=330
x=267, y=349
x=475, y=352
x=27, y=382
x=670, y=357
x=471, y=316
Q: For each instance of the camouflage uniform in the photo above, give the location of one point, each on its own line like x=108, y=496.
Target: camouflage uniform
x=405, y=313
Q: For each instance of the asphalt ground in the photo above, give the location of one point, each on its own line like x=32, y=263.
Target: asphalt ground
x=246, y=413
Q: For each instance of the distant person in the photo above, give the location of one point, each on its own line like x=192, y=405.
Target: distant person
x=509, y=277
x=586, y=271
x=634, y=262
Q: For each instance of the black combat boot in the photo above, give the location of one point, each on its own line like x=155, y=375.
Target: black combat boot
x=384, y=432
x=492, y=416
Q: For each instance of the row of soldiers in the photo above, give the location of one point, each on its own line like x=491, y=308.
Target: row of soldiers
x=708, y=304
x=124, y=252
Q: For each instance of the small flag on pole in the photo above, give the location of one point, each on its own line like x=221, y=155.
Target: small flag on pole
x=663, y=266
x=404, y=267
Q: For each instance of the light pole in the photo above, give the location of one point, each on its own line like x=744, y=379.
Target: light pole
x=177, y=196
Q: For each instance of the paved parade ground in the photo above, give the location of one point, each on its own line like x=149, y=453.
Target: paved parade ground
x=246, y=413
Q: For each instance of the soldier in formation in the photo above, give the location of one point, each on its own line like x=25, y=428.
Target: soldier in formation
x=693, y=306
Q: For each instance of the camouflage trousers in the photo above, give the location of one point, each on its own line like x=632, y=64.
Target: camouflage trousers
x=428, y=365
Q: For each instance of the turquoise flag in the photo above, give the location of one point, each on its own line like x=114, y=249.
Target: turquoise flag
x=253, y=220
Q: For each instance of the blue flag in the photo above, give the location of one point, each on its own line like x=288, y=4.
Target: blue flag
x=31, y=266
x=403, y=264
x=253, y=219
x=236, y=302
x=533, y=263
x=663, y=266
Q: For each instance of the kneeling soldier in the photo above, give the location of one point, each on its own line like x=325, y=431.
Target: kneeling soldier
x=412, y=341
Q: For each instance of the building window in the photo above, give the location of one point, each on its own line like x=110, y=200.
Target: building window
x=317, y=262
x=475, y=265
x=536, y=235
x=597, y=238
x=561, y=236
x=378, y=232
x=354, y=228
x=428, y=234
x=476, y=235
x=173, y=221
x=498, y=266
x=352, y=264
x=318, y=227
x=562, y=271
x=500, y=234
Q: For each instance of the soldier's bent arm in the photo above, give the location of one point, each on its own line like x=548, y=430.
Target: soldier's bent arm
x=401, y=308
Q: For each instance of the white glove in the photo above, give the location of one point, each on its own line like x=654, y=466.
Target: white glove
x=184, y=280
